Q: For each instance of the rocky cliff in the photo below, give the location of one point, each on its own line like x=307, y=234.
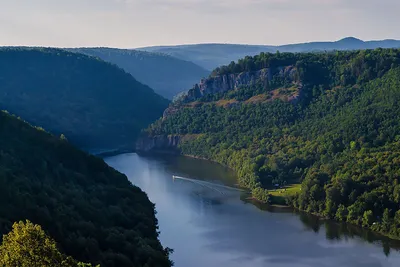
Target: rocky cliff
x=213, y=85
x=223, y=83
x=168, y=143
x=158, y=142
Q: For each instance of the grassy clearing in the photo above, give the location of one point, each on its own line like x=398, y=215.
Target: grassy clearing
x=279, y=195
x=288, y=190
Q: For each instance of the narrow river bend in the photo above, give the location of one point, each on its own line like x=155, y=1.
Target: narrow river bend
x=213, y=229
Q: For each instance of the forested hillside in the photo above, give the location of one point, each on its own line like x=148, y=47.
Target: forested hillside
x=330, y=121
x=167, y=75
x=92, y=211
x=93, y=103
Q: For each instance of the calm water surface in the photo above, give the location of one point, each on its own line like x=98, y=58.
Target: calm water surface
x=216, y=229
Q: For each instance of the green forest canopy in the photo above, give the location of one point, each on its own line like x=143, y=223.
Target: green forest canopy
x=27, y=245
x=341, y=139
x=94, y=104
x=92, y=211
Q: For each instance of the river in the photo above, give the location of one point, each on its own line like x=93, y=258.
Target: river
x=217, y=228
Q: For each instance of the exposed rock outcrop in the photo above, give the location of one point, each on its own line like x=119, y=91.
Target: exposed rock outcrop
x=218, y=84
x=158, y=142
x=223, y=83
x=168, y=143
x=170, y=111
x=228, y=82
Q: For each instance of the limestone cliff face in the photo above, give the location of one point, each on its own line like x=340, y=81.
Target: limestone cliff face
x=228, y=82
x=212, y=85
x=170, y=111
x=163, y=143
x=158, y=142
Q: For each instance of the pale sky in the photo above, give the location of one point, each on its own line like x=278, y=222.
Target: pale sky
x=137, y=23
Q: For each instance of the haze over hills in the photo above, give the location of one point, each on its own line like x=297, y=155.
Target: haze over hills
x=349, y=43
x=211, y=56
x=166, y=74
x=95, y=104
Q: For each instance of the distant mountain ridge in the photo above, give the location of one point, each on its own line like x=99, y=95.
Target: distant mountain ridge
x=348, y=43
x=211, y=56
x=166, y=74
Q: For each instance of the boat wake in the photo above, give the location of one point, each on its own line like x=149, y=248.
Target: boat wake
x=213, y=186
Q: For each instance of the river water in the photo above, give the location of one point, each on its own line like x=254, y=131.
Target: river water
x=218, y=228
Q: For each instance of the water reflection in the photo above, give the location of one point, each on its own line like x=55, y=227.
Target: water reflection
x=206, y=228
x=195, y=168
x=343, y=232
x=334, y=231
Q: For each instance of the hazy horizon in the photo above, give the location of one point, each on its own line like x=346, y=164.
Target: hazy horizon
x=290, y=43
x=141, y=23
x=206, y=43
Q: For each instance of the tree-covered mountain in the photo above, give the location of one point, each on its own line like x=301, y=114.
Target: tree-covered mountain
x=211, y=56
x=94, y=104
x=167, y=75
x=330, y=121
x=92, y=211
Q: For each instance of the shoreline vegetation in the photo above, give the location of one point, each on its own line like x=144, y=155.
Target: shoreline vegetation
x=278, y=198
x=111, y=153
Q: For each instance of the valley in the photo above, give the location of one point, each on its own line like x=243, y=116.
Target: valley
x=167, y=75
x=93, y=103
x=312, y=138
x=197, y=220
x=199, y=133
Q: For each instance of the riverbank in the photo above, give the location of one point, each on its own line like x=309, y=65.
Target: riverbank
x=206, y=217
x=271, y=204
x=277, y=200
x=281, y=198
x=111, y=153
x=177, y=153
